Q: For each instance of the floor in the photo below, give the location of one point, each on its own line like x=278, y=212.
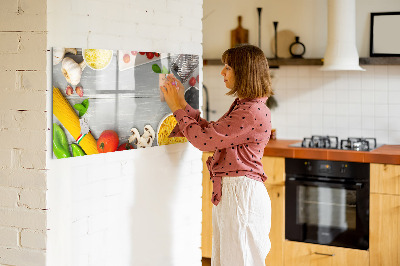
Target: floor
x=206, y=261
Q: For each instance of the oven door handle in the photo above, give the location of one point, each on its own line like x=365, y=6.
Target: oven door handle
x=357, y=185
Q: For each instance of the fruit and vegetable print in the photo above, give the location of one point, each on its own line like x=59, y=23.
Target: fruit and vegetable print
x=110, y=100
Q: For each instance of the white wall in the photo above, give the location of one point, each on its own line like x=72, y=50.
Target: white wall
x=304, y=18
x=344, y=103
x=313, y=102
x=137, y=207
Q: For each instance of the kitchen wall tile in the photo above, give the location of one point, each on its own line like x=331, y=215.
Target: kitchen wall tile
x=342, y=133
x=355, y=122
x=355, y=132
x=329, y=122
x=342, y=96
x=315, y=72
x=394, y=137
x=380, y=71
x=381, y=123
x=292, y=83
x=367, y=96
x=317, y=121
x=367, y=110
x=329, y=109
x=329, y=93
x=304, y=72
x=355, y=109
x=367, y=133
x=394, y=110
x=381, y=97
x=316, y=82
x=394, y=71
x=394, y=82
x=291, y=71
x=382, y=136
x=367, y=82
x=342, y=122
x=381, y=84
x=342, y=80
x=317, y=107
x=394, y=97
x=354, y=80
x=394, y=123
x=382, y=110
x=367, y=123
x=304, y=82
x=355, y=96
x=342, y=109
x=328, y=74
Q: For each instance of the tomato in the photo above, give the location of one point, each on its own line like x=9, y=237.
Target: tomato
x=157, y=54
x=134, y=52
x=127, y=58
x=125, y=146
x=108, y=141
x=192, y=81
x=149, y=55
x=142, y=53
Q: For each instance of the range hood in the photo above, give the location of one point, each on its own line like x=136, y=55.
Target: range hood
x=341, y=51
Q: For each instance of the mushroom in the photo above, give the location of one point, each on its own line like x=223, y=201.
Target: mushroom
x=135, y=136
x=144, y=141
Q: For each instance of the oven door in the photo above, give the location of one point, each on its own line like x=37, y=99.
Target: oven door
x=327, y=213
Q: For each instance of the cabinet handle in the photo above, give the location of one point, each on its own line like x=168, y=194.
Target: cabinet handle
x=325, y=254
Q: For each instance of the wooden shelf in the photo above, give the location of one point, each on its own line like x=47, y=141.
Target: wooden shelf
x=274, y=63
x=380, y=61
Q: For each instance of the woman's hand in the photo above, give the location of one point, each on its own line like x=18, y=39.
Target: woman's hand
x=174, y=93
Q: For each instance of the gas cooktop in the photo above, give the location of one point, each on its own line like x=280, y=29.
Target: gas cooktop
x=332, y=142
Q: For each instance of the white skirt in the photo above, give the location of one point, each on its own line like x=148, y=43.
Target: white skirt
x=241, y=223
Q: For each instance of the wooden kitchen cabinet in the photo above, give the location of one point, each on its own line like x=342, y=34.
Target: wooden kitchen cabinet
x=277, y=233
x=306, y=254
x=384, y=236
x=385, y=178
x=206, y=232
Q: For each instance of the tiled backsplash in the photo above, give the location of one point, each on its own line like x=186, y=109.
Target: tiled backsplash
x=341, y=103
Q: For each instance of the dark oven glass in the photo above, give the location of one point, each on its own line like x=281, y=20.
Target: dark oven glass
x=328, y=208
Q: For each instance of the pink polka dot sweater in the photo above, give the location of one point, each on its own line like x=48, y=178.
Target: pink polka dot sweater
x=238, y=139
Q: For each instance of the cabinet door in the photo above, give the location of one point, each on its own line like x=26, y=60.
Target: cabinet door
x=206, y=233
x=384, y=229
x=274, y=168
x=277, y=233
x=385, y=178
x=305, y=254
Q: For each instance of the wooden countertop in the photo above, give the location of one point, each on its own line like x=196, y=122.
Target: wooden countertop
x=389, y=154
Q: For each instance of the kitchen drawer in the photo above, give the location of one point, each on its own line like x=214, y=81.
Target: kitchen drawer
x=305, y=254
x=385, y=178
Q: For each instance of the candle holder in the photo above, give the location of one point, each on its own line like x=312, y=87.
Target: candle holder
x=276, y=39
x=259, y=9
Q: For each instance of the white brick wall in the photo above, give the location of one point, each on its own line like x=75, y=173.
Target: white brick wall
x=140, y=207
x=86, y=205
x=23, y=44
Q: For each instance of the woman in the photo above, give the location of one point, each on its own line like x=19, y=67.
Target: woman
x=242, y=208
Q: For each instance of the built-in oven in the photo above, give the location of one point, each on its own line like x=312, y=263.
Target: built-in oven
x=327, y=202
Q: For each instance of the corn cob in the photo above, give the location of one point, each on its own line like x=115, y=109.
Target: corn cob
x=70, y=120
